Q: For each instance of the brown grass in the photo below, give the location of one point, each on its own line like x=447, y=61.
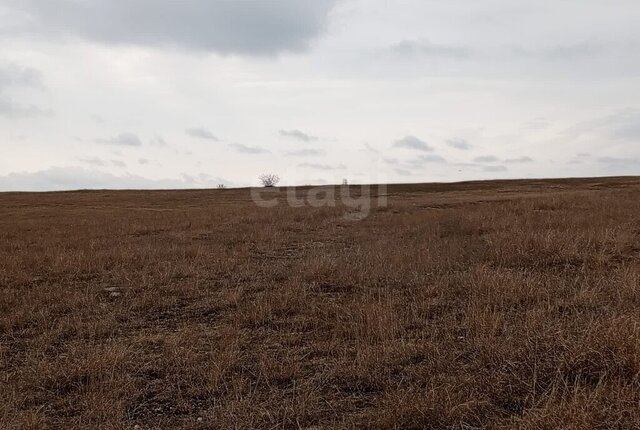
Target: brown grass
x=511, y=304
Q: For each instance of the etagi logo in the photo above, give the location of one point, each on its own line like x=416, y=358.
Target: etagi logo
x=357, y=199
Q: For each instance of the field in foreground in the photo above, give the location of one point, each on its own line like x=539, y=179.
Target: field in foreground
x=512, y=304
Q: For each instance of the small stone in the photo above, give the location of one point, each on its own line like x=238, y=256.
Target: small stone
x=112, y=291
x=199, y=419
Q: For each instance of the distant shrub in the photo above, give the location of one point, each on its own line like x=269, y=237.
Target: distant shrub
x=269, y=180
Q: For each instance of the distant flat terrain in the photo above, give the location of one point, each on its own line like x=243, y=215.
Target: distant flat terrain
x=496, y=305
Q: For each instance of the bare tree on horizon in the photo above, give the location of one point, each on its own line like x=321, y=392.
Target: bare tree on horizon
x=269, y=180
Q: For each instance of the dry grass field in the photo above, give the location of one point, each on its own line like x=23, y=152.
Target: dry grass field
x=496, y=305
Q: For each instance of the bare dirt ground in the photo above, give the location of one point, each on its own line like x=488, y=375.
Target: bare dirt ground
x=507, y=304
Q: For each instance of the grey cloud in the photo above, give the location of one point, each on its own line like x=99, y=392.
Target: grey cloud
x=73, y=178
x=486, y=159
x=248, y=149
x=322, y=166
x=15, y=75
x=118, y=163
x=431, y=158
x=402, y=172
x=459, y=144
x=143, y=161
x=10, y=109
x=201, y=133
x=297, y=134
x=123, y=139
x=12, y=75
x=158, y=141
x=228, y=27
x=423, y=47
x=305, y=152
x=412, y=142
x=523, y=159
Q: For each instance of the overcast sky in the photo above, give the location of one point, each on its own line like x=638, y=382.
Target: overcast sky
x=195, y=93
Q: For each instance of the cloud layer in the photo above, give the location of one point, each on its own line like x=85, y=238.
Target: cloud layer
x=370, y=90
x=74, y=178
x=263, y=27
